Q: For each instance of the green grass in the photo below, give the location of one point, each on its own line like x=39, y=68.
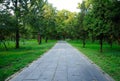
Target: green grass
x=13, y=60
x=109, y=60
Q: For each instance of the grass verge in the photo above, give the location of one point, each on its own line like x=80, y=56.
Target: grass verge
x=109, y=60
x=13, y=60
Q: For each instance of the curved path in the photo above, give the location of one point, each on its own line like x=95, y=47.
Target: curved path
x=62, y=63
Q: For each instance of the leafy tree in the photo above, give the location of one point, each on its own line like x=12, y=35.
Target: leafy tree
x=82, y=29
x=7, y=28
x=36, y=18
x=18, y=9
x=115, y=19
x=49, y=21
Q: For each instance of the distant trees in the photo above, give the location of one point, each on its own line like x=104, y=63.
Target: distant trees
x=65, y=22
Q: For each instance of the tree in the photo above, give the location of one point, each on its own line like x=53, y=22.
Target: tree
x=82, y=29
x=17, y=8
x=115, y=18
x=49, y=21
x=36, y=18
x=99, y=20
x=7, y=28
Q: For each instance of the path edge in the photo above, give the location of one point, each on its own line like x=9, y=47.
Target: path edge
x=16, y=73
x=99, y=68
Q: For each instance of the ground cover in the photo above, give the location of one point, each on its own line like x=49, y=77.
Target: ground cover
x=13, y=60
x=109, y=60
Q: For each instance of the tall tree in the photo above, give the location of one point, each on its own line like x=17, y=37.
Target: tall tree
x=83, y=32
x=36, y=18
x=18, y=8
x=49, y=21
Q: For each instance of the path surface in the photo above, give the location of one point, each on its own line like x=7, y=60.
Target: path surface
x=62, y=63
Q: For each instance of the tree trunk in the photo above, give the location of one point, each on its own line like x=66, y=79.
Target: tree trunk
x=46, y=40
x=111, y=40
x=39, y=38
x=17, y=38
x=83, y=43
x=101, y=43
x=17, y=24
x=84, y=38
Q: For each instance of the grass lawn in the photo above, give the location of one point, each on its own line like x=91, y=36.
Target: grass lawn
x=13, y=60
x=109, y=60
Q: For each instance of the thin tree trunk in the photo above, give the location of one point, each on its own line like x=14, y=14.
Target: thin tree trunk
x=46, y=40
x=101, y=43
x=39, y=38
x=93, y=39
x=83, y=43
x=17, y=26
x=84, y=39
x=111, y=40
x=17, y=38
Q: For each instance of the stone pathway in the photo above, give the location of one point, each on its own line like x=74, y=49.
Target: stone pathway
x=62, y=63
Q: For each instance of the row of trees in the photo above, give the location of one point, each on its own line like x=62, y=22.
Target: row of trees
x=20, y=18
x=100, y=20
x=97, y=20
x=27, y=18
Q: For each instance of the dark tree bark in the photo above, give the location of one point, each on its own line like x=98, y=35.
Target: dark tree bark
x=39, y=39
x=101, y=43
x=17, y=24
x=111, y=43
x=84, y=38
x=17, y=38
x=46, y=40
x=84, y=43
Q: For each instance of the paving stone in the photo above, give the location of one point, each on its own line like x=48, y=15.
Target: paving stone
x=47, y=75
x=62, y=63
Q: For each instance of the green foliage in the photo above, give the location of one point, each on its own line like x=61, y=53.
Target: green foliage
x=101, y=20
x=82, y=31
x=13, y=60
x=66, y=22
x=49, y=21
